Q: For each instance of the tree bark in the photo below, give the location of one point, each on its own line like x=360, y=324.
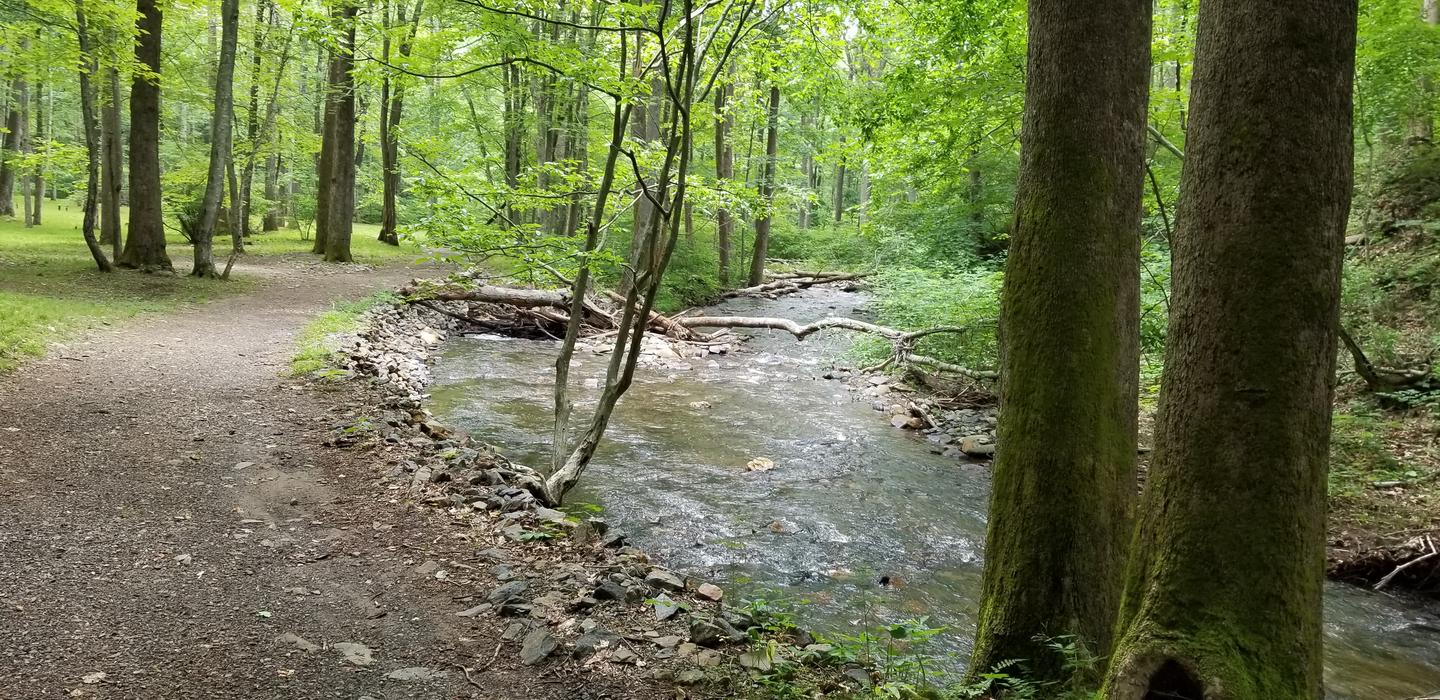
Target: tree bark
x=341, y=207
x=219, y=141
x=21, y=136
x=767, y=189
x=324, y=163
x=1064, y=473
x=145, y=242
x=1223, y=595
x=9, y=148
x=39, y=140
x=391, y=108
x=724, y=172
x=92, y=137
x=112, y=167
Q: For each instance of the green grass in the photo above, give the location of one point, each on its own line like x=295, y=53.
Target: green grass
x=50, y=288
x=318, y=342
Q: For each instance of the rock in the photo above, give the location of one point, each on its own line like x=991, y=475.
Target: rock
x=610, y=590
x=415, y=673
x=594, y=640
x=428, y=568
x=472, y=612
x=93, y=678
x=907, y=422
x=760, y=464
x=690, y=676
x=668, y=641
x=713, y=633
x=621, y=655
x=700, y=405
x=710, y=591
x=709, y=659
x=355, y=653
x=977, y=445
x=665, y=608
x=550, y=515
x=513, y=632
x=614, y=540
x=666, y=580
x=860, y=676
x=507, y=591
x=537, y=645
x=514, y=608
x=295, y=641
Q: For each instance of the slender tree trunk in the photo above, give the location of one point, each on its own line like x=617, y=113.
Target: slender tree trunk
x=252, y=129
x=145, y=241
x=112, y=166
x=767, y=189
x=40, y=140
x=92, y=137
x=9, y=148
x=341, y=208
x=1223, y=593
x=838, y=196
x=22, y=139
x=324, y=164
x=392, y=105
x=219, y=141
x=1064, y=474
x=1422, y=127
x=271, y=220
x=724, y=172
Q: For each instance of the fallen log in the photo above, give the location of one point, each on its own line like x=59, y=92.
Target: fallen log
x=902, y=342
x=1383, y=379
x=791, y=284
x=520, y=297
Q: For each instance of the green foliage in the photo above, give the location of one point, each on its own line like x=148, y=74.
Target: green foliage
x=827, y=247
x=320, y=340
x=913, y=298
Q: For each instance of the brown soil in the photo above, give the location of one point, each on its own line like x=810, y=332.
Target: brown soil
x=169, y=512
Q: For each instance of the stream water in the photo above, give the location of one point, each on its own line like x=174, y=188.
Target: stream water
x=850, y=500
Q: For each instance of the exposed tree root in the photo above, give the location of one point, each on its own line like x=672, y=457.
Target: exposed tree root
x=1383, y=379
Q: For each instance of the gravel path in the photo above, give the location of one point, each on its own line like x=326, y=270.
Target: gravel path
x=171, y=527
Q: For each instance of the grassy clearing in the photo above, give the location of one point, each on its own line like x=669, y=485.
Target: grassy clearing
x=321, y=338
x=49, y=287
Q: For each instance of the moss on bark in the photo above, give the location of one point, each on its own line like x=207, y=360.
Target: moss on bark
x=1064, y=473
x=1222, y=598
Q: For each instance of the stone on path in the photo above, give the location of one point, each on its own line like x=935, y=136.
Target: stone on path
x=537, y=645
x=355, y=653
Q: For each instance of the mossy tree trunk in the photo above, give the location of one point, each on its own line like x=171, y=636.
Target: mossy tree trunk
x=1065, y=470
x=145, y=240
x=1223, y=595
x=340, y=210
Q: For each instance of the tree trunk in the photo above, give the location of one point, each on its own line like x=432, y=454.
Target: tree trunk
x=145, y=241
x=39, y=140
x=22, y=139
x=724, y=172
x=252, y=129
x=392, y=106
x=341, y=207
x=92, y=138
x=324, y=163
x=838, y=196
x=112, y=169
x=271, y=220
x=767, y=189
x=219, y=140
x=1223, y=594
x=9, y=149
x=1064, y=473
x=1422, y=126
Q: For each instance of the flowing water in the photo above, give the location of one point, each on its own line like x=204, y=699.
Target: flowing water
x=850, y=500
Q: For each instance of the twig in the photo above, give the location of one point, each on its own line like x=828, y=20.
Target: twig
x=1388, y=577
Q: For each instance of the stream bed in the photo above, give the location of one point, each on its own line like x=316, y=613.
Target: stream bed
x=851, y=499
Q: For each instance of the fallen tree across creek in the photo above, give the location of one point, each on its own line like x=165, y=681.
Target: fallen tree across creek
x=546, y=312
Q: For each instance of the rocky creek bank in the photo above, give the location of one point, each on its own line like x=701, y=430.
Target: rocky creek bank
x=567, y=589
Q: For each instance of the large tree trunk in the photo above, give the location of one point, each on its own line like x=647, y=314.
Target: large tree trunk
x=1223, y=595
x=112, y=168
x=341, y=206
x=767, y=189
x=91, y=127
x=219, y=140
x=1064, y=473
x=145, y=242
x=724, y=172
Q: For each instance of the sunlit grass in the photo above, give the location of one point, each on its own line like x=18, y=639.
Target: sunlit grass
x=319, y=340
x=50, y=287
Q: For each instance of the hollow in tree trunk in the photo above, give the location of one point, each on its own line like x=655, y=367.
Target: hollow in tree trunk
x=1223, y=593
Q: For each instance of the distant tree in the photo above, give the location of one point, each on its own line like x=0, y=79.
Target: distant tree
x=1065, y=470
x=1223, y=594
x=761, y=248
x=340, y=173
x=91, y=126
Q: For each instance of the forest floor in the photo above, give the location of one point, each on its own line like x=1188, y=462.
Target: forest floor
x=174, y=527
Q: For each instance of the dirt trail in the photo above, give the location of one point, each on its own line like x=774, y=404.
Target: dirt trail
x=167, y=513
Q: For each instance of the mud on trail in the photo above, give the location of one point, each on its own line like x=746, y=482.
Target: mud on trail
x=171, y=526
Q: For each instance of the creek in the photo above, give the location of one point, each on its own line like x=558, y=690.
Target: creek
x=851, y=499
